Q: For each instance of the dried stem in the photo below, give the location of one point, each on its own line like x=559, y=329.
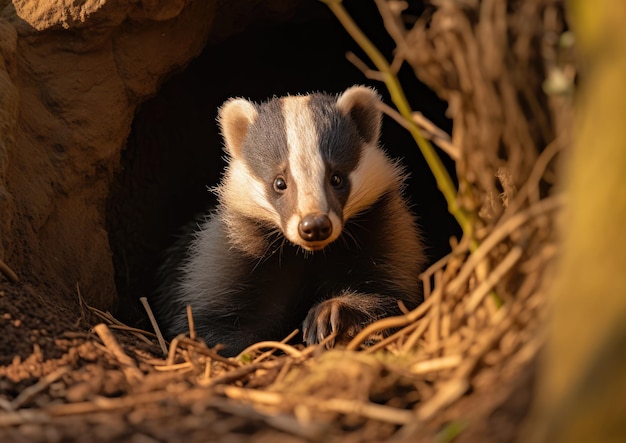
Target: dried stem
x=30, y=392
x=8, y=272
x=130, y=370
x=155, y=325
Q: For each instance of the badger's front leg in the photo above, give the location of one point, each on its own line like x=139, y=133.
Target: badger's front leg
x=344, y=315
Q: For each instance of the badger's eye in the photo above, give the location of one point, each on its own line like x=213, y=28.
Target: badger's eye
x=336, y=180
x=280, y=184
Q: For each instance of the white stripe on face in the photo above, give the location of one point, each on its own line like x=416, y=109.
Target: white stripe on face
x=307, y=172
x=246, y=194
x=305, y=162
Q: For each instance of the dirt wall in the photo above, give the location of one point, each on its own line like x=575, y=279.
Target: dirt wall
x=72, y=75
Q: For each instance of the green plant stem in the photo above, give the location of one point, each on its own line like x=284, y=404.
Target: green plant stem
x=444, y=182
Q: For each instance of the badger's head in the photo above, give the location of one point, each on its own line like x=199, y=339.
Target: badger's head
x=305, y=164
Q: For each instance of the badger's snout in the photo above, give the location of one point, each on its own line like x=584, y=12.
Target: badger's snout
x=315, y=227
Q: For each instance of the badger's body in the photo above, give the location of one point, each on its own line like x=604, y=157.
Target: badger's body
x=311, y=228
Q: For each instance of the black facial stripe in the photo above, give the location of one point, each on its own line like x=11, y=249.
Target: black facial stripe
x=265, y=146
x=339, y=141
x=336, y=200
x=286, y=203
x=266, y=153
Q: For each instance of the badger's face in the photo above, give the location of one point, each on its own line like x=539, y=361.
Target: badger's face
x=305, y=164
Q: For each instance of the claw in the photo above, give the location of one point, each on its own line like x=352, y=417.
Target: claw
x=335, y=321
x=332, y=316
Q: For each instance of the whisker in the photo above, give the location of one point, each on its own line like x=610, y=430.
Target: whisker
x=350, y=236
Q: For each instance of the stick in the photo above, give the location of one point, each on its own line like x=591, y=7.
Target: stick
x=266, y=354
x=388, y=323
x=431, y=131
x=8, y=272
x=28, y=393
x=240, y=372
x=416, y=334
x=393, y=337
x=365, y=409
x=436, y=364
x=290, y=350
x=192, y=326
x=494, y=277
x=130, y=370
x=155, y=325
x=500, y=232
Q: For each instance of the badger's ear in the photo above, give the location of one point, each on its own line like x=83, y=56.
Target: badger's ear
x=235, y=117
x=361, y=105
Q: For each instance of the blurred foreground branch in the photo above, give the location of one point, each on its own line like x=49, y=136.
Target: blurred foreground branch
x=582, y=388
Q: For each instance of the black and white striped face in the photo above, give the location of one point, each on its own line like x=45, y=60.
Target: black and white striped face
x=305, y=164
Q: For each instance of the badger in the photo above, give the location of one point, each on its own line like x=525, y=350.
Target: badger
x=311, y=228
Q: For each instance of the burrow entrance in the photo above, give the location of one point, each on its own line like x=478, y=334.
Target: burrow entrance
x=174, y=151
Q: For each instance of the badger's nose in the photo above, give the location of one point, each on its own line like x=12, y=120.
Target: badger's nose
x=315, y=227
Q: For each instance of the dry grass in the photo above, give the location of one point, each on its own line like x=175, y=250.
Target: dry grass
x=456, y=340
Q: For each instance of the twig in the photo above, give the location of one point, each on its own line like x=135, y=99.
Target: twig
x=192, y=327
x=8, y=272
x=5, y=404
x=389, y=323
x=116, y=324
x=392, y=338
x=435, y=312
x=199, y=347
x=287, y=339
x=369, y=410
x=361, y=66
x=139, y=333
x=427, y=274
x=321, y=345
x=171, y=353
x=290, y=350
x=530, y=189
x=240, y=372
x=415, y=335
x=202, y=348
x=436, y=364
x=130, y=370
x=494, y=277
x=446, y=394
x=23, y=416
x=81, y=304
x=174, y=367
x=30, y=392
x=155, y=325
x=458, y=385
x=106, y=316
x=395, y=30
x=430, y=131
x=283, y=422
x=500, y=232
x=283, y=371
x=101, y=404
x=436, y=132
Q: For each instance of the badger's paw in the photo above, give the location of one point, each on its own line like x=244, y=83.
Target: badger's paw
x=338, y=315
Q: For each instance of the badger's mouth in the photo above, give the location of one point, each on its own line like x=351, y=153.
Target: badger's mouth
x=313, y=246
